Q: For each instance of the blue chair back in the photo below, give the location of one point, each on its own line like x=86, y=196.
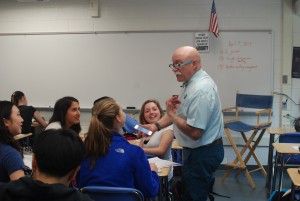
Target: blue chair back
x=105, y=193
x=293, y=137
x=254, y=101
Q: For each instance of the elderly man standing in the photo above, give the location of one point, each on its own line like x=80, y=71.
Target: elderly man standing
x=198, y=123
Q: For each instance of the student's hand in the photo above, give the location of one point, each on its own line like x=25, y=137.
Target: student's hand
x=153, y=167
x=139, y=135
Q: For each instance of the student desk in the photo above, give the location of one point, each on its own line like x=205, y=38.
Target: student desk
x=163, y=193
x=21, y=136
x=82, y=136
x=177, y=152
x=174, y=144
x=295, y=177
x=273, y=132
x=281, y=149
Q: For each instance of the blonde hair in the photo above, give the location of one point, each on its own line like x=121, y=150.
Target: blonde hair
x=100, y=132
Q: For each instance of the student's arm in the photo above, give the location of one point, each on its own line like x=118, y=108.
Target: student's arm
x=165, y=142
x=16, y=175
x=39, y=119
x=145, y=174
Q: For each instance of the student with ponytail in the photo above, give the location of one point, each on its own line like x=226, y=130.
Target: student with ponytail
x=110, y=159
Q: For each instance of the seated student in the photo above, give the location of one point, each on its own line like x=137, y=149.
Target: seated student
x=297, y=124
x=160, y=142
x=56, y=158
x=111, y=160
x=18, y=98
x=66, y=114
x=11, y=157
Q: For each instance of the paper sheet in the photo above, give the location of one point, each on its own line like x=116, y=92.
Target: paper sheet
x=28, y=160
x=162, y=163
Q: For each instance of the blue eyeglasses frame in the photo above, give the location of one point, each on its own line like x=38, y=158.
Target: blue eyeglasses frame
x=180, y=65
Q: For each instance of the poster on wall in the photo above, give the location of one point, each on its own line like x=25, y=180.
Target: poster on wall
x=296, y=63
x=202, y=41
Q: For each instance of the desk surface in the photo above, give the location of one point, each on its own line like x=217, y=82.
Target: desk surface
x=174, y=143
x=20, y=136
x=286, y=148
x=164, y=172
x=279, y=131
x=294, y=175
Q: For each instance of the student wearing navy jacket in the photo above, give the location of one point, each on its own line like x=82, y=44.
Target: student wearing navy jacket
x=111, y=160
x=11, y=156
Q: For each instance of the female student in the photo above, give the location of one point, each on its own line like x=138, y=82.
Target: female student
x=18, y=98
x=111, y=160
x=66, y=114
x=11, y=162
x=28, y=113
x=160, y=142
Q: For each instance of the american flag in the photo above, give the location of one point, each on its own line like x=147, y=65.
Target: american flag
x=213, y=25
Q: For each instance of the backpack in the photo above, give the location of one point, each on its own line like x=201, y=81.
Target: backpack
x=275, y=195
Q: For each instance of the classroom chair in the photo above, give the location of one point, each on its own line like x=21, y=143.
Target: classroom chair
x=289, y=160
x=292, y=137
x=262, y=106
x=106, y=193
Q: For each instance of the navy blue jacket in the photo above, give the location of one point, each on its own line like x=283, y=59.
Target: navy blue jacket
x=125, y=165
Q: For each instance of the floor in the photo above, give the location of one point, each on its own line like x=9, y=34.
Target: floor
x=238, y=188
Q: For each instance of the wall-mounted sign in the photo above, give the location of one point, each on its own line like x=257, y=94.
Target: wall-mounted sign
x=202, y=41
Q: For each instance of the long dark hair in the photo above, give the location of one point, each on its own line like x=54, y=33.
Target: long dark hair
x=60, y=110
x=5, y=136
x=16, y=96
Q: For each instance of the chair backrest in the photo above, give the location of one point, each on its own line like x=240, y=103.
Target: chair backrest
x=105, y=193
x=293, y=137
x=254, y=101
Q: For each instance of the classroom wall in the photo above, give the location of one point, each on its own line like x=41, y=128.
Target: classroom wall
x=155, y=15
x=296, y=43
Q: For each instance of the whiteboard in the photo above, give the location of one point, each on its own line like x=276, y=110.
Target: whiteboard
x=130, y=67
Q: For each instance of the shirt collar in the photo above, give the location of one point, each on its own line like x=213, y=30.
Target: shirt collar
x=197, y=74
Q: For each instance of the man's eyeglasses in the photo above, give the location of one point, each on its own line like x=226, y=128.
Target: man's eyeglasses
x=180, y=65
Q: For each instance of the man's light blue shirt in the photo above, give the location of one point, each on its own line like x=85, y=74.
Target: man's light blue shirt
x=201, y=107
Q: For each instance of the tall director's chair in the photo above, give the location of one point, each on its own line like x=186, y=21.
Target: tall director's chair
x=261, y=104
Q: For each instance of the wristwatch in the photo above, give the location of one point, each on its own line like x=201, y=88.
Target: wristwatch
x=157, y=126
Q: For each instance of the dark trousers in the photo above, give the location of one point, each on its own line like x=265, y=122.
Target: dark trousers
x=198, y=169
